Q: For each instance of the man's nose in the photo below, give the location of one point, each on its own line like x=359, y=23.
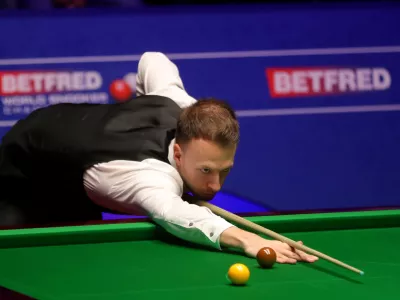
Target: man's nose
x=215, y=186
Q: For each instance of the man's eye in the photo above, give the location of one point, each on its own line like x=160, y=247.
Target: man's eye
x=205, y=170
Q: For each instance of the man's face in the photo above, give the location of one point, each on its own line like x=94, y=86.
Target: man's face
x=203, y=166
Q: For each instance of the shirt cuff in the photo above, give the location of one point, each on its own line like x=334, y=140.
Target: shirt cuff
x=205, y=233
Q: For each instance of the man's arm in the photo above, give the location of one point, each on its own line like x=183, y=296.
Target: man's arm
x=154, y=188
x=158, y=75
x=250, y=243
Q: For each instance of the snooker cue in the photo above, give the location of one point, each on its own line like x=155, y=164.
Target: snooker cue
x=239, y=220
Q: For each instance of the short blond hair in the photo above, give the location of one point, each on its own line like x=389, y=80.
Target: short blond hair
x=209, y=119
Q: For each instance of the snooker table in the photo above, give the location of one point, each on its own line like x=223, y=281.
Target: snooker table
x=138, y=260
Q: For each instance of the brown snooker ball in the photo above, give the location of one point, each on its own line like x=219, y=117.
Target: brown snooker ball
x=266, y=257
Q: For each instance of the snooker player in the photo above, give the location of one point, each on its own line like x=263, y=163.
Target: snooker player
x=70, y=162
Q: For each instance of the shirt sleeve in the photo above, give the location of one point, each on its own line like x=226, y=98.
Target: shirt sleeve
x=158, y=75
x=154, y=188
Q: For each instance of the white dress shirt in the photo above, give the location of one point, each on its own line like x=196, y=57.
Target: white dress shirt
x=151, y=186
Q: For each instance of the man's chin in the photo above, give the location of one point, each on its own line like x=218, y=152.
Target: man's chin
x=203, y=197
x=207, y=197
x=199, y=196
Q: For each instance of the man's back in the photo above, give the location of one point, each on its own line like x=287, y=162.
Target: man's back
x=43, y=157
x=80, y=135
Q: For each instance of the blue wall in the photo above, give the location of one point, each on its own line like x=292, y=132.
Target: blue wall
x=337, y=149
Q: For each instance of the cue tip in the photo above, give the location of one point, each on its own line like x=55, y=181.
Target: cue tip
x=361, y=273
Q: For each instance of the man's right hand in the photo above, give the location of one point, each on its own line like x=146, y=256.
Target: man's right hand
x=251, y=243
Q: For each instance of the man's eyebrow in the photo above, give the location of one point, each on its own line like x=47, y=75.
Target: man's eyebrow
x=228, y=167
x=208, y=166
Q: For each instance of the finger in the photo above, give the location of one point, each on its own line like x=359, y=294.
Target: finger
x=304, y=256
x=291, y=254
x=286, y=250
x=285, y=260
x=288, y=247
x=293, y=248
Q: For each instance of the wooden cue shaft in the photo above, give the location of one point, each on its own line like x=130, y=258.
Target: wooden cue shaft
x=234, y=218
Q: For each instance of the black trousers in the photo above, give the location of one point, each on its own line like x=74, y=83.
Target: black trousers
x=12, y=210
x=41, y=201
x=12, y=215
x=23, y=205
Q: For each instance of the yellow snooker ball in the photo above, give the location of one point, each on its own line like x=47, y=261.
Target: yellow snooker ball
x=238, y=274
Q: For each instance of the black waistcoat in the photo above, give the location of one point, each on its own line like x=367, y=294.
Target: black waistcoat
x=51, y=148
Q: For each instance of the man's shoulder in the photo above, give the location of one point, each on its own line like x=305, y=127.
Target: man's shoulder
x=152, y=101
x=162, y=168
x=149, y=169
x=136, y=174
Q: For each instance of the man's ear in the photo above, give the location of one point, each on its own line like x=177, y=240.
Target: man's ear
x=177, y=153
